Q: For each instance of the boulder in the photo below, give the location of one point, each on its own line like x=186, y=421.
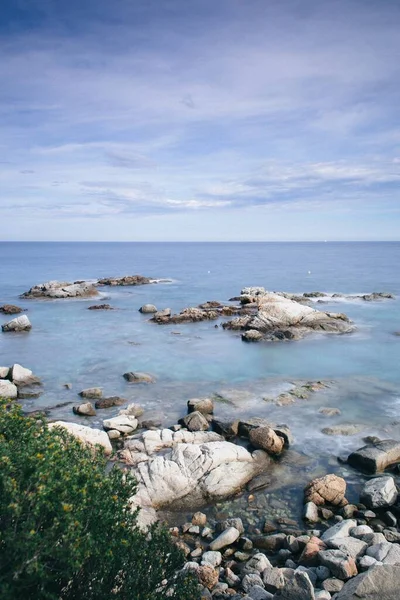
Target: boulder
x=228, y=429
x=132, y=410
x=8, y=390
x=310, y=513
x=349, y=545
x=195, y=421
x=378, y=583
x=62, y=289
x=266, y=439
x=110, y=401
x=100, y=307
x=86, y=410
x=297, y=587
x=86, y=435
x=123, y=423
x=203, y=405
x=226, y=538
x=95, y=392
x=148, y=309
x=21, y=323
x=375, y=457
x=137, y=377
x=329, y=489
x=187, y=315
x=379, y=492
x=22, y=376
x=11, y=309
x=252, y=335
x=339, y=531
x=4, y=372
x=127, y=280
x=339, y=563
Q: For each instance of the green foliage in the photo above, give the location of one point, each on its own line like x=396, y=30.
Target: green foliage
x=66, y=528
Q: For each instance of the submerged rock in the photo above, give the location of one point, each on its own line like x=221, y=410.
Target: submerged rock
x=109, y=402
x=61, y=289
x=101, y=307
x=203, y=405
x=11, y=309
x=86, y=435
x=188, y=315
x=18, y=324
x=95, y=392
x=127, y=280
x=137, y=377
x=347, y=429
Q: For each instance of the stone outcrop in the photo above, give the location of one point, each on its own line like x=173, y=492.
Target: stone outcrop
x=127, y=280
x=280, y=318
x=86, y=435
x=61, y=289
x=21, y=323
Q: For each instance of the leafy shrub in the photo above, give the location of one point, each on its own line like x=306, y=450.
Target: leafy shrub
x=66, y=528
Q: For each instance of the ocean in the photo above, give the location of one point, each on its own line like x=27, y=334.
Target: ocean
x=70, y=344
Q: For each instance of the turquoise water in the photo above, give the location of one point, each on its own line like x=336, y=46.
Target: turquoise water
x=69, y=344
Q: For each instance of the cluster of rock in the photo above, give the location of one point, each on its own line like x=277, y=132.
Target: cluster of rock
x=353, y=552
x=277, y=317
x=15, y=382
x=324, y=297
x=61, y=289
x=11, y=309
x=209, y=311
x=100, y=307
x=127, y=280
x=21, y=323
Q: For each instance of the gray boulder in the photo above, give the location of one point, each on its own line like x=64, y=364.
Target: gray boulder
x=138, y=377
x=21, y=323
x=148, y=309
x=8, y=390
x=122, y=423
x=378, y=583
x=95, y=392
x=375, y=457
x=195, y=421
x=86, y=410
x=203, y=405
x=226, y=538
x=379, y=492
x=86, y=435
x=297, y=587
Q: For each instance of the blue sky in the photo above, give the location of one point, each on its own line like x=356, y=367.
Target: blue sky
x=199, y=120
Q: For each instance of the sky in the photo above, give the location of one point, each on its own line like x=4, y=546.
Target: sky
x=199, y=120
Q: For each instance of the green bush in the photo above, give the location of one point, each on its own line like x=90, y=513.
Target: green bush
x=66, y=529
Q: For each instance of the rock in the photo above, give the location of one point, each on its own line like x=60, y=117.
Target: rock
x=378, y=583
x=162, y=314
x=329, y=489
x=366, y=562
x=207, y=576
x=329, y=412
x=340, y=564
x=59, y=289
x=252, y=335
x=100, y=307
x=385, y=552
x=195, y=421
x=311, y=512
x=232, y=522
x=273, y=579
x=113, y=434
x=360, y=530
x=280, y=318
x=137, y=377
x=20, y=375
x=271, y=543
x=322, y=595
x=188, y=315
x=338, y=531
x=228, y=429
x=309, y=555
x=123, y=423
x=226, y=538
x=148, y=309
x=379, y=492
x=350, y=546
x=199, y=518
x=297, y=587
x=375, y=457
x=86, y=435
x=250, y=580
x=111, y=401
x=202, y=405
x=18, y=324
x=350, y=429
x=212, y=558
x=4, y=372
x=258, y=563
x=314, y=294
x=127, y=280
x=333, y=585
x=86, y=410
x=95, y=392
x=28, y=394
x=11, y=309
x=266, y=439
x=8, y=390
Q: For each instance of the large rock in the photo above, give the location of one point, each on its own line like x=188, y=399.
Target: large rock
x=8, y=390
x=21, y=323
x=339, y=563
x=188, y=315
x=110, y=401
x=148, y=309
x=62, y=289
x=85, y=410
x=266, y=439
x=379, y=492
x=203, y=405
x=195, y=421
x=137, y=377
x=95, y=392
x=226, y=538
x=280, y=318
x=375, y=457
x=329, y=489
x=297, y=587
x=378, y=583
x=4, y=372
x=188, y=470
x=127, y=280
x=339, y=531
x=123, y=423
x=22, y=376
x=86, y=435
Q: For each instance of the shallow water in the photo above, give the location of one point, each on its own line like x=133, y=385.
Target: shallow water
x=69, y=344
